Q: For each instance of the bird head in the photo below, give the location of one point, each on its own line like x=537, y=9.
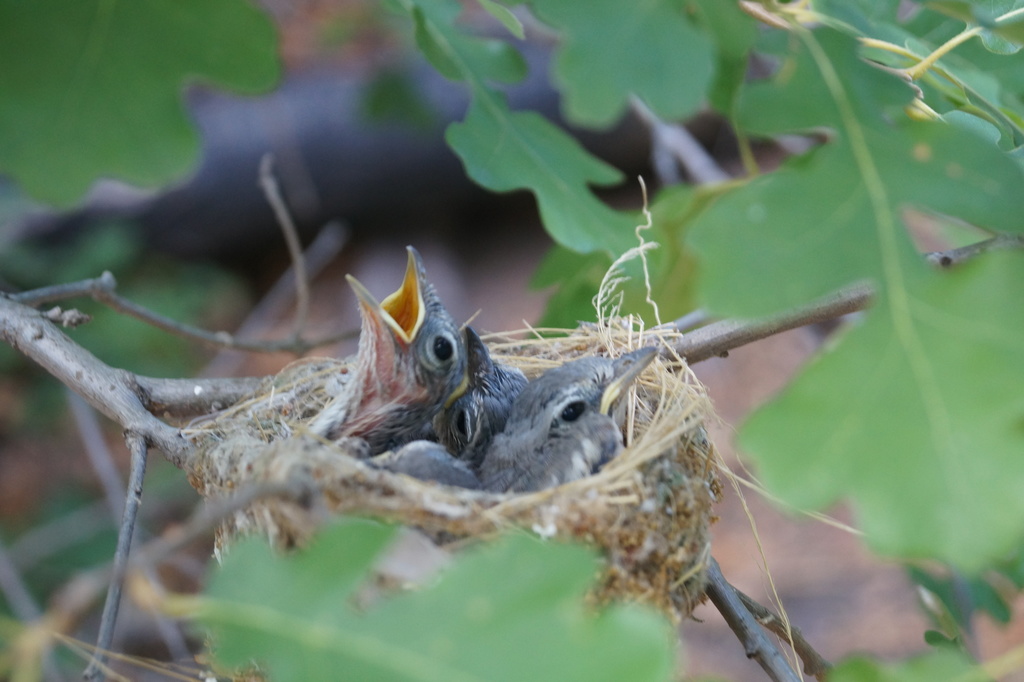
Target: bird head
x=560, y=428
x=471, y=418
x=411, y=357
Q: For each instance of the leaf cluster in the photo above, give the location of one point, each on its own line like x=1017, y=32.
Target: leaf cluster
x=912, y=118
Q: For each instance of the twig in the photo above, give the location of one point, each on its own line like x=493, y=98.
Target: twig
x=271, y=190
x=213, y=513
x=78, y=595
x=755, y=643
x=956, y=256
x=102, y=461
x=15, y=592
x=191, y=397
x=24, y=607
x=718, y=338
x=814, y=665
x=324, y=248
x=103, y=290
x=67, y=530
x=96, y=450
x=113, y=392
x=690, y=320
x=139, y=450
x=674, y=143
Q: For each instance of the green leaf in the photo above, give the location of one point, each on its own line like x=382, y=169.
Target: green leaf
x=834, y=216
x=459, y=57
x=734, y=34
x=510, y=611
x=611, y=49
x=937, y=666
x=1001, y=37
x=504, y=150
x=578, y=277
x=671, y=267
x=94, y=88
x=802, y=95
x=927, y=378
x=505, y=16
x=917, y=415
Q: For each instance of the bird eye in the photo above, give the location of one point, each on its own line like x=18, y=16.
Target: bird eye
x=443, y=348
x=572, y=411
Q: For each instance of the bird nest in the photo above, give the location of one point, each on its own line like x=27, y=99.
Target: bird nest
x=648, y=510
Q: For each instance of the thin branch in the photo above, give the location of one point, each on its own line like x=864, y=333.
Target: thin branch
x=814, y=665
x=99, y=454
x=102, y=461
x=272, y=191
x=692, y=319
x=192, y=397
x=113, y=392
x=67, y=530
x=103, y=290
x=23, y=605
x=78, y=595
x=956, y=256
x=324, y=249
x=718, y=338
x=15, y=592
x=215, y=512
x=756, y=644
x=139, y=450
x=674, y=143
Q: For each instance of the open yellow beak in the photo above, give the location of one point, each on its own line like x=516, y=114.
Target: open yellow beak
x=405, y=307
x=403, y=311
x=627, y=369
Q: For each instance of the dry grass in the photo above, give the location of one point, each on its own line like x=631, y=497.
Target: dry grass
x=649, y=510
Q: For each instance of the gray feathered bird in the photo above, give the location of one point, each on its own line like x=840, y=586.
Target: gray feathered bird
x=429, y=461
x=559, y=428
x=411, y=362
x=468, y=425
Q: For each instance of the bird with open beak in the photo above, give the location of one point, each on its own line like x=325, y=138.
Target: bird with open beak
x=560, y=427
x=411, y=362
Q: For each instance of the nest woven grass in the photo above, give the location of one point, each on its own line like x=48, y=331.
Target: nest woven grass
x=649, y=510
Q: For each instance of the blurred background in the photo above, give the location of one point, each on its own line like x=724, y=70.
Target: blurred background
x=356, y=130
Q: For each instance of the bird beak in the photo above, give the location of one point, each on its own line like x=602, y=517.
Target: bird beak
x=403, y=311
x=406, y=309
x=627, y=369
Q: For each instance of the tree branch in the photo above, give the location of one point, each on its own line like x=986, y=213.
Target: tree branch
x=755, y=642
x=78, y=595
x=718, y=338
x=103, y=290
x=133, y=498
x=956, y=256
x=671, y=144
x=113, y=392
x=192, y=397
x=268, y=183
x=324, y=249
x=814, y=665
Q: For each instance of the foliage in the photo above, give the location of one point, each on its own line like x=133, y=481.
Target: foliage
x=178, y=290
x=916, y=121
x=94, y=88
x=315, y=625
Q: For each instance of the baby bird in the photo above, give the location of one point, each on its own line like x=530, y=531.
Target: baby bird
x=429, y=461
x=411, y=362
x=467, y=426
x=559, y=428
